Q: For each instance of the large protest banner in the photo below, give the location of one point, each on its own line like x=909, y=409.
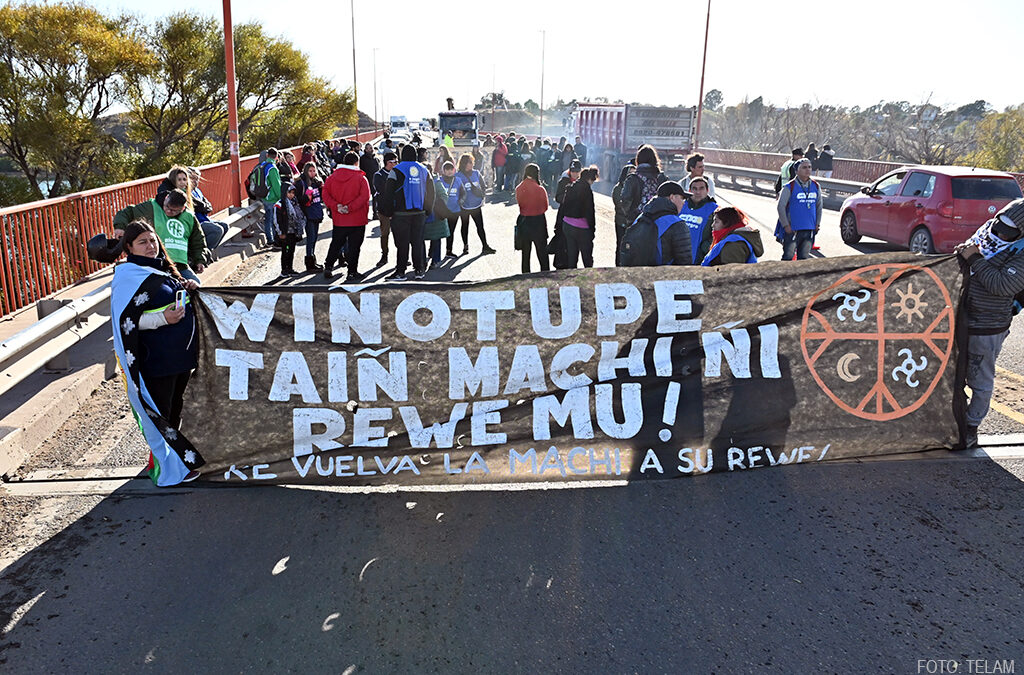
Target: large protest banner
x=579, y=374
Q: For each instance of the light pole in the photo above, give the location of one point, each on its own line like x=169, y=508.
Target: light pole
x=374, y=92
x=700, y=97
x=355, y=89
x=543, y=44
x=494, y=69
x=229, y=76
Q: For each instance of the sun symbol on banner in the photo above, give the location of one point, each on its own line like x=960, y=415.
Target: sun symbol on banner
x=885, y=362
x=910, y=304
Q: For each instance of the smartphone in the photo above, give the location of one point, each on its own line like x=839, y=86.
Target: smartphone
x=179, y=299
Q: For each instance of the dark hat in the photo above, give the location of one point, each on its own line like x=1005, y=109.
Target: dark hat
x=104, y=250
x=575, y=165
x=286, y=186
x=390, y=157
x=669, y=188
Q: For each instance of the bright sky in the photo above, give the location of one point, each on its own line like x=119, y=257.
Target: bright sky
x=838, y=52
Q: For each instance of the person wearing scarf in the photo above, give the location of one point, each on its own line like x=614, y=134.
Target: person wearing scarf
x=732, y=241
x=156, y=345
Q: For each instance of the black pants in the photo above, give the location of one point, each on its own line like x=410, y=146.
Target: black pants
x=288, y=252
x=168, y=393
x=477, y=215
x=453, y=224
x=347, y=240
x=408, y=232
x=579, y=243
x=534, y=236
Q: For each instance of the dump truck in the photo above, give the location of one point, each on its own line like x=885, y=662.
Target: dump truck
x=613, y=132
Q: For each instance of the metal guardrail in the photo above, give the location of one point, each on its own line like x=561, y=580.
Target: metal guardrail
x=28, y=350
x=834, y=188
x=42, y=243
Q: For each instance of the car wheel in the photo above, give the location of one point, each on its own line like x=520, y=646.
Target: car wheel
x=848, y=228
x=921, y=241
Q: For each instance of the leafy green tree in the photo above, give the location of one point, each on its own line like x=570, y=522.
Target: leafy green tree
x=62, y=67
x=176, y=107
x=713, y=99
x=1000, y=141
x=277, y=96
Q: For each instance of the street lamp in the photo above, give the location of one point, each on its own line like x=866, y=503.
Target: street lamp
x=543, y=44
x=355, y=90
x=700, y=97
x=374, y=93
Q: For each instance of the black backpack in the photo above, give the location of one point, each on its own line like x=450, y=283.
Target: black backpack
x=256, y=184
x=639, y=244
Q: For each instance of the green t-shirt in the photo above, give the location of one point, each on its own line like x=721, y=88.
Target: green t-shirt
x=174, y=232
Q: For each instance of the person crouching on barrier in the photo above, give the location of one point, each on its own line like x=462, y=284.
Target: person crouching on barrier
x=177, y=228
x=157, y=348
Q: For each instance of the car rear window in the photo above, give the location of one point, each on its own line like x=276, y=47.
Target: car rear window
x=985, y=188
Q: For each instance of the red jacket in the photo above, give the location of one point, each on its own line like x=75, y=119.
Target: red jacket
x=500, y=151
x=347, y=186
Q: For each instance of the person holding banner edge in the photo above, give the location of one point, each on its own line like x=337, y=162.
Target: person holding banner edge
x=995, y=256
x=156, y=344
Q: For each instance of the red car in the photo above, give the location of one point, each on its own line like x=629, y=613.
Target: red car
x=928, y=209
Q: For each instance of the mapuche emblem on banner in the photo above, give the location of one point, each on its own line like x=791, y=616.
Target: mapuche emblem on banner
x=878, y=340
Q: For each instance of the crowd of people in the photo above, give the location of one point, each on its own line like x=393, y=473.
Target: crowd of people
x=421, y=205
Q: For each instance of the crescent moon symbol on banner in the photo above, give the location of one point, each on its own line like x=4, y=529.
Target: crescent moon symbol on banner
x=843, y=367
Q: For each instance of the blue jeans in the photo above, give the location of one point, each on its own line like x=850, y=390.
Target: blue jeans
x=798, y=242
x=435, y=250
x=982, y=352
x=499, y=178
x=269, y=220
x=312, y=232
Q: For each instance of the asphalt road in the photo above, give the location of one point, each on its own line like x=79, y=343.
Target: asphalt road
x=838, y=567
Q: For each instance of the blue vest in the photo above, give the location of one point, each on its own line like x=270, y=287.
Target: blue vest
x=663, y=223
x=470, y=201
x=698, y=220
x=716, y=250
x=415, y=185
x=451, y=193
x=803, y=205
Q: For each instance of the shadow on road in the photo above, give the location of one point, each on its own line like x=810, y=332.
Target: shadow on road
x=800, y=569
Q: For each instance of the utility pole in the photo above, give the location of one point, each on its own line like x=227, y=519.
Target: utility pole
x=355, y=90
x=229, y=76
x=543, y=44
x=703, y=65
x=494, y=69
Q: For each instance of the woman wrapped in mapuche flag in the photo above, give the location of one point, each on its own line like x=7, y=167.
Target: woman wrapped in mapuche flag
x=156, y=345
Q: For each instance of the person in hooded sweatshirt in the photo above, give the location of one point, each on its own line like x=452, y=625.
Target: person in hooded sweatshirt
x=673, y=235
x=697, y=212
x=347, y=194
x=408, y=195
x=640, y=187
x=732, y=240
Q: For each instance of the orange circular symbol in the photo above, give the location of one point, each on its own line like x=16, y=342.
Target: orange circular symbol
x=878, y=340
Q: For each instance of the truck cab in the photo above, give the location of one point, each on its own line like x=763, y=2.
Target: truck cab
x=463, y=125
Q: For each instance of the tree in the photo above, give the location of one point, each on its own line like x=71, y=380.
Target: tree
x=62, y=67
x=712, y=99
x=1000, y=141
x=531, y=106
x=176, y=107
x=277, y=97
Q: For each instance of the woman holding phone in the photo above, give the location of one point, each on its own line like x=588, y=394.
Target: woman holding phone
x=470, y=188
x=157, y=347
